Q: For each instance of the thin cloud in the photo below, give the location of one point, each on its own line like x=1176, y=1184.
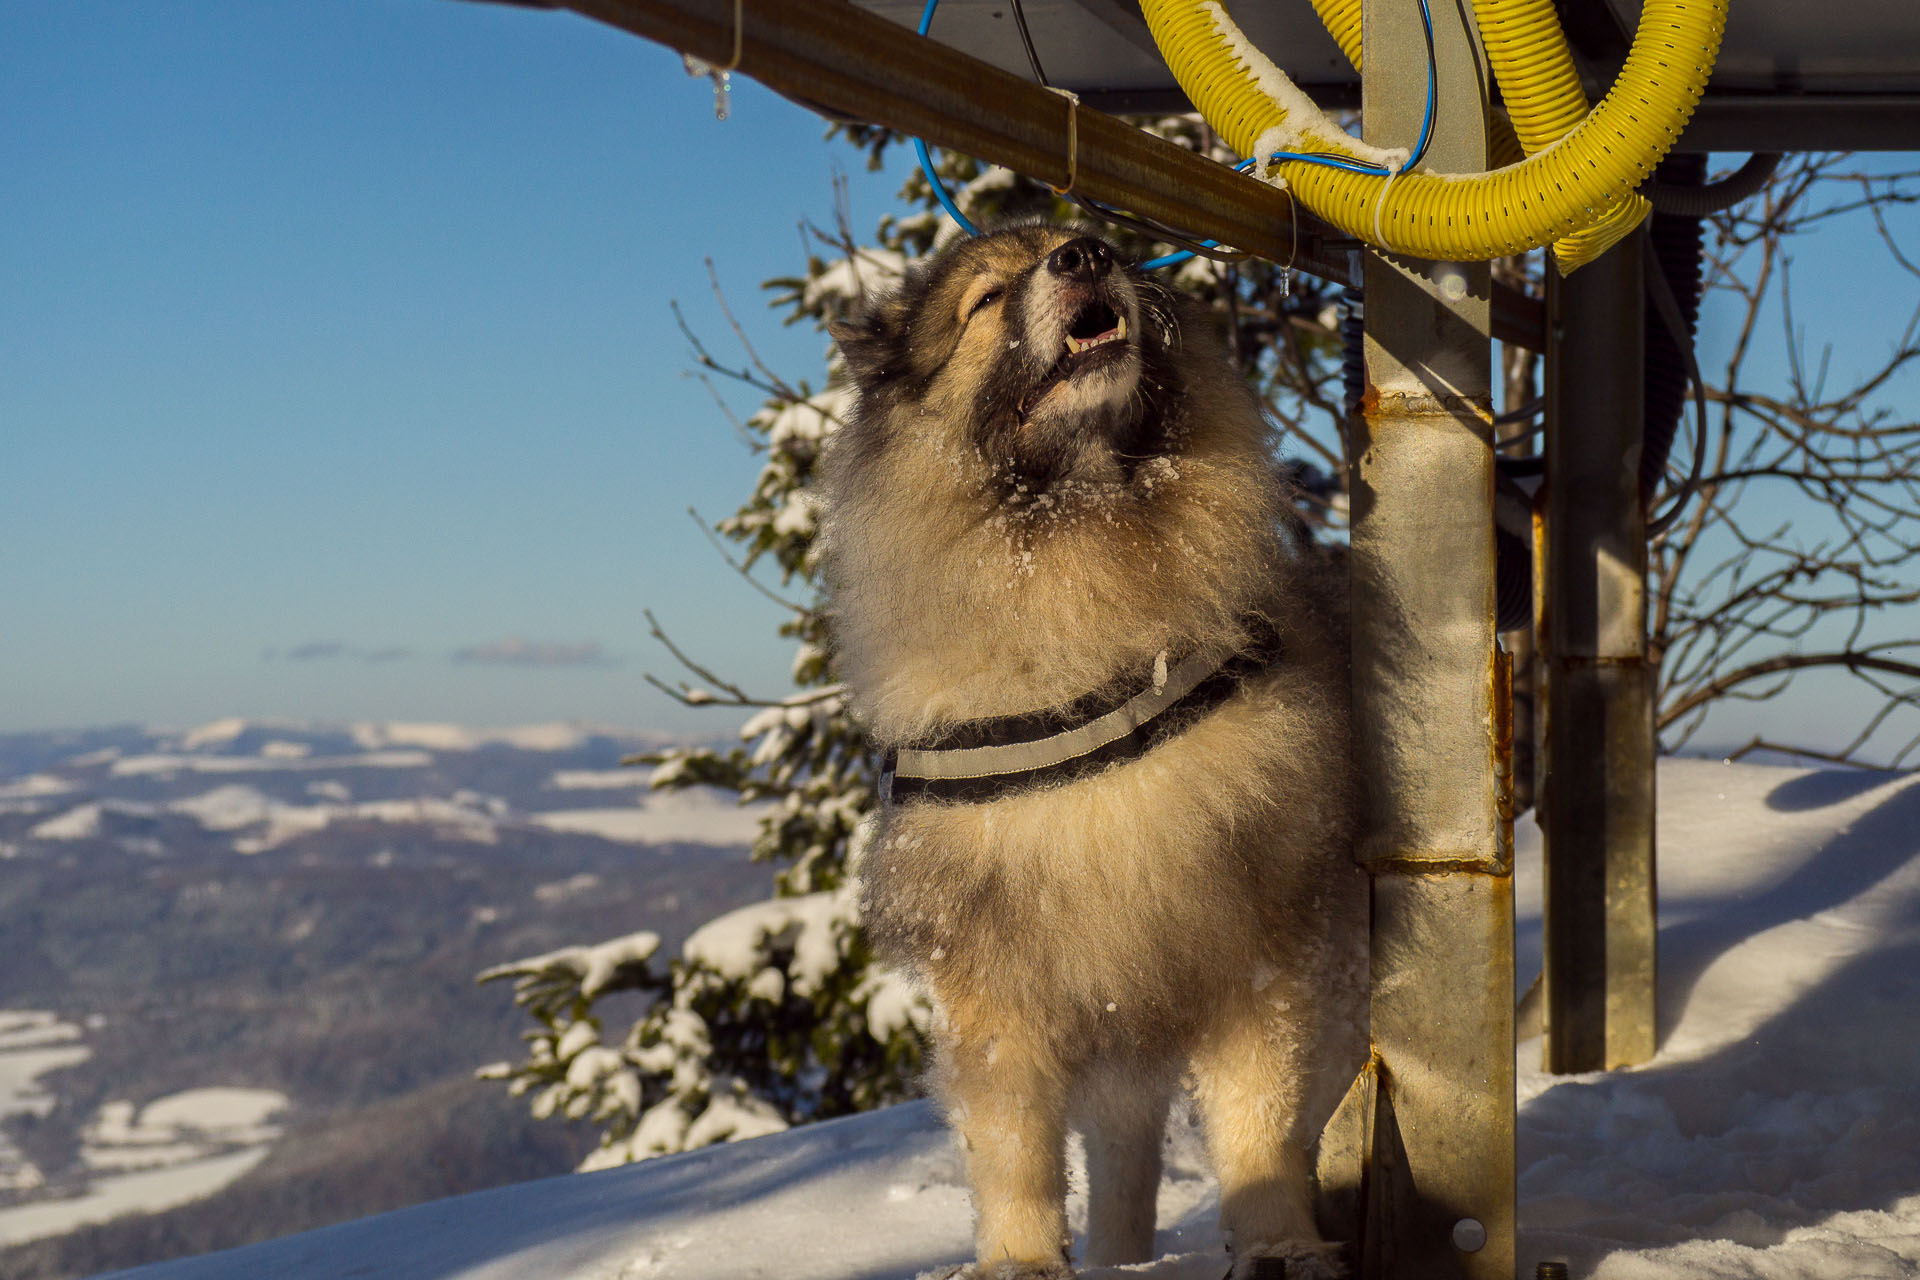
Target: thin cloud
x=314, y=650
x=516, y=652
x=332, y=650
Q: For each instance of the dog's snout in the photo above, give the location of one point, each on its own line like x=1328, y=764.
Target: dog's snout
x=1087, y=258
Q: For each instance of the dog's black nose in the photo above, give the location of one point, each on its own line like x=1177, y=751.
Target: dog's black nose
x=1087, y=258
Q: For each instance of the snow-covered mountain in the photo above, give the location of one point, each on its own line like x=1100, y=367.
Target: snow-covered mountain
x=260, y=784
x=237, y=965
x=1776, y=1135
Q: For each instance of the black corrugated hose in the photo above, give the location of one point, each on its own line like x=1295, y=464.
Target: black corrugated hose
x=1697, y=201
x=1677, y=243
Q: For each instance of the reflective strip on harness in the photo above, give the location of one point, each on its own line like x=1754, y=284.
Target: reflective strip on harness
x=989, y=759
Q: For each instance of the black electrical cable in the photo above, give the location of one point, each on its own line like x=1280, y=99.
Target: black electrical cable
x=1149, y=227
x=1157, y=231
x=1353, y=348
x=1676, y=243
x=1026, y=39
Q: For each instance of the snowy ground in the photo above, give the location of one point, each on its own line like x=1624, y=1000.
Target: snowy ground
x=1776, y=1136
x=32, y=1043
x=172, y=1151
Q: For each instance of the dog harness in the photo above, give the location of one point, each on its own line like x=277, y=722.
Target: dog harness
x=982, y=760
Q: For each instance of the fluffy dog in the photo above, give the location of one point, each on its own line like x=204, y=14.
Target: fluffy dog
x=1112, y=690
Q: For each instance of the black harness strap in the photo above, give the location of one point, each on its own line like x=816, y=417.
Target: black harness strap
x=985, y=760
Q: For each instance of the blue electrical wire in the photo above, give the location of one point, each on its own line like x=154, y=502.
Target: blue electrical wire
x=926, y=159
x=939, y=187
x=1311, y=157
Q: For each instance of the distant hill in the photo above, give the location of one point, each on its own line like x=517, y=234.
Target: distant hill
x=300, y=910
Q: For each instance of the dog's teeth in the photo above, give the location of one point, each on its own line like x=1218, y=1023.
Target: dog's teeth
x=1116, y=334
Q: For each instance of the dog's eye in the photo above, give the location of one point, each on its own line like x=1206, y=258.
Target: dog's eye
x=985, y=299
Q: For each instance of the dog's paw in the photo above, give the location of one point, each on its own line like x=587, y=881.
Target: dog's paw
x=1021, y=1271
x=1292, y=1260
x=1003, y=1271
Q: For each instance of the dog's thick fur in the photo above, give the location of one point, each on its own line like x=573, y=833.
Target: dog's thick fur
x=1007, y=530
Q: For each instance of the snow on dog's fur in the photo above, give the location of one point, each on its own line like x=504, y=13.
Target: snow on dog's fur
x=1053, y=479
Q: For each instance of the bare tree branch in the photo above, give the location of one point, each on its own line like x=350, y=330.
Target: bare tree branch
x=1729, y=682
x=1748, y=593
x=733, y=564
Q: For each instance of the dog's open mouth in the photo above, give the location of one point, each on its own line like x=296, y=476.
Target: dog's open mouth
x=1096, y=338
x=1096, y=326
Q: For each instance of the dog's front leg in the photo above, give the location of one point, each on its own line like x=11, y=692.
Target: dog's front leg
x=1007, y=1098
x=1249, y=1080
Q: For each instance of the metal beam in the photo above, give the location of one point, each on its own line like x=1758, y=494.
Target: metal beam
x=1792, y=121
x=830, y=55
x=842, y=61
x=1728, y=120
x=1431, y=737
x=1597, y=750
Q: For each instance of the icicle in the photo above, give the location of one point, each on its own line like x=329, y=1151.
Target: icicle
x=721, y=73
x=722, y=79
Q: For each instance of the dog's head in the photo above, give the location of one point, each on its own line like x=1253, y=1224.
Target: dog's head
x=1037, y=348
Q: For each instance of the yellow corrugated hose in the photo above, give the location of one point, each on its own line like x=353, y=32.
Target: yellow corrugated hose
x=1540, y=89
x=1566, y=187
x=1341, y=18
x=1530, y=58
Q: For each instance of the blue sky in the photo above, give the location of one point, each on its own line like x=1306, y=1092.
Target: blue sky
x=336, y=348
x=346, y=323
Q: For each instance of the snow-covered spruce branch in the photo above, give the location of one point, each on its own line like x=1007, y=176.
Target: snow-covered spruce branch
x=731, y=695
x=732, y=1042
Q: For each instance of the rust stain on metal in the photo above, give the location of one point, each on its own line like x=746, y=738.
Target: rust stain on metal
x=1417, y=868
x=1378, y=404
x=1541, y=620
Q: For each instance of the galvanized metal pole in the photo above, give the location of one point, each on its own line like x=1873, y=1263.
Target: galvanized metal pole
x=1596, y=798
x=1431, y=739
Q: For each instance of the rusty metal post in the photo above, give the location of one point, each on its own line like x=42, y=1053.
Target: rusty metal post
x=1596, y=793
x=1431, y=737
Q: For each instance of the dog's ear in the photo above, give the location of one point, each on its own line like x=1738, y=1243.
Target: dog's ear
x=866, y=344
